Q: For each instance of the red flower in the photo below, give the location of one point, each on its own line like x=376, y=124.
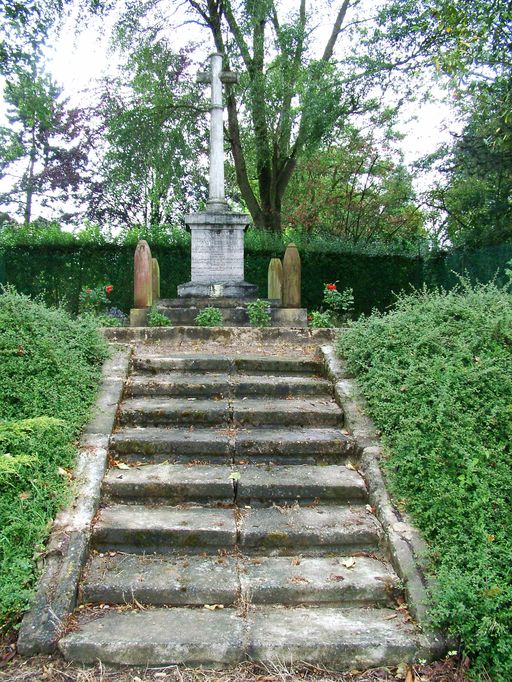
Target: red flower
x=109, y=288
x=88, y=291
x=330, y=287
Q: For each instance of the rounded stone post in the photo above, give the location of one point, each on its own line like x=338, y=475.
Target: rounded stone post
x=142, y=276
x=275, y=279
x=291, y=277
x=155, y=272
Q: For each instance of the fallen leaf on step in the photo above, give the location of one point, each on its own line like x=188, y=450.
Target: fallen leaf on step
x=349, y=563
x=212, y=607
x=393, y=615
x=234, y=476
x=350, y=466
x=122, y=465
x=295, y=561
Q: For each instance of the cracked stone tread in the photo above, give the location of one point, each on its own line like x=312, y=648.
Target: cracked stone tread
x=348, y=528
x=338, y=638
x=174, y=483
x=221, y=385
x=143, y=528
x=255, y=444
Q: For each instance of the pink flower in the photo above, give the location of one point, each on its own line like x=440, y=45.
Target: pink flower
x=109, y=288
x=88, y=291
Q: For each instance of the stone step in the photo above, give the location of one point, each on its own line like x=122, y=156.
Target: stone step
x=160, y=445
x=169, y=483
x=259, y=485
x=173, y=411
x=204, y=362
x=206, y=301
x=253, y=485
x=293, y=446
x=337, y=638
x=223, y=385
x=114, y=578
x=249, y=446
x=286, y=412
x=343, y=580
x=162, y=411
x=137, y=528
x=156, y=579
x=185, y=316
x=291, y=529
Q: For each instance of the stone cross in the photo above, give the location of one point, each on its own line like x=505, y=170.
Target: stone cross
x=216, y=76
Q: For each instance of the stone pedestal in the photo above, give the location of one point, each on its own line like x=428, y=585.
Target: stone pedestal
x=217, y=256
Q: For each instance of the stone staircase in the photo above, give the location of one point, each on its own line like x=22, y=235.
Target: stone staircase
x=234, y=525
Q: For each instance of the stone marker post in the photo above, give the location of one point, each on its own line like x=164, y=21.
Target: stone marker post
x=142, y=284
x=155, y=285
x=275, y=280
x=291, y=277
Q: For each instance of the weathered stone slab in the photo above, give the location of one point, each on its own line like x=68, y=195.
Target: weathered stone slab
x=274, y=364
x=293, y=412
x=142, y=528
x=331, y=483
x=159, y=445
x=280, y=386
x=292, y=445
x=318, y=580
x=338, y=638
x=189, y=363
x=157, y=411
x=172, y=483
x=175, y=384
x=291, y=529
x=157, y=580
x=189, y=637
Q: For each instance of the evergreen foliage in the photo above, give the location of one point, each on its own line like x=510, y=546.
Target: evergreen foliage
x=50, y=367
x=437, y=372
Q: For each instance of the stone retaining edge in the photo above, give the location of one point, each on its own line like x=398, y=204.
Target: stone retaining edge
x=67, y=547
x=406, y=547
x=245, y=334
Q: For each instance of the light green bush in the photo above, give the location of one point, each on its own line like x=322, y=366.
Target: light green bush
x=437, y=372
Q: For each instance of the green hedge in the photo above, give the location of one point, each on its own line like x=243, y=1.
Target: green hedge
x=58, y=272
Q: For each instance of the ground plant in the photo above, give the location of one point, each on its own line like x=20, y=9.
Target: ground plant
x=259, y=313
x=157, y=319
x=95, y=301
x=320, y=320
x=339, y=303
x=50, y=368
x=437, y=373
x=209, y=317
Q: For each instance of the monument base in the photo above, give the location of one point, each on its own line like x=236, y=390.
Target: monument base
x=217, y=290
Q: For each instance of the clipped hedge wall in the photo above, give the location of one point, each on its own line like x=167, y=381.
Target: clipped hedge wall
x=58, y=272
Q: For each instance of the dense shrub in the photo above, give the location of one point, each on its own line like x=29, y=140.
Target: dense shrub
x=59, y=265
x=437, y=372
x=49, y=371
